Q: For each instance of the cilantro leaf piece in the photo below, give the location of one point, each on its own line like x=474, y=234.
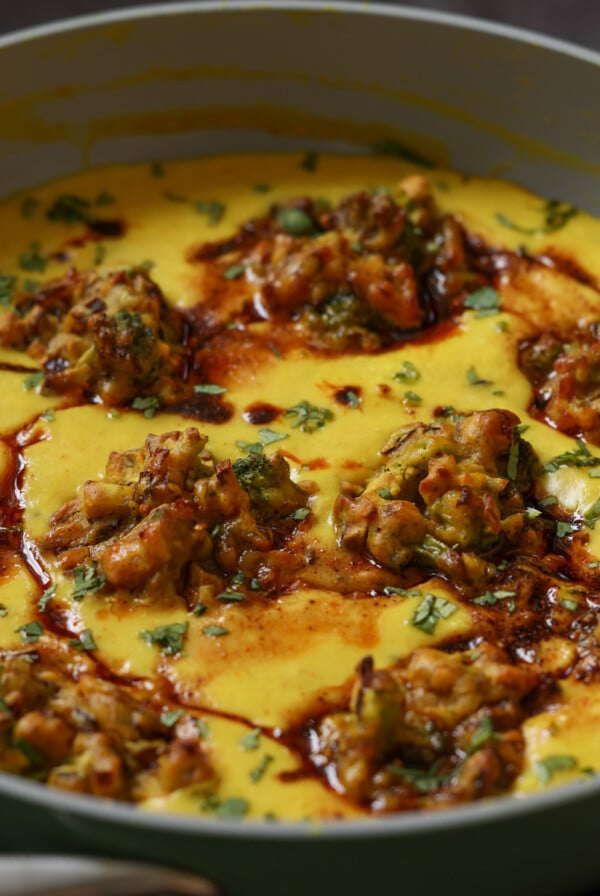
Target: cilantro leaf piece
x=233, y=272
x=215, y=631
x=85, y=641
x=33, y=380
x=308, y=417
x=209, y=389
x=296, y=222
x=149, y=404
x=212, y=208
x=257, y=773
x=546, y=768
x=169, y=719
x=578, y=457
x=169, y=638
x=408, y=373
x=87, y=580
x=31, y=631
x=251, y=740
x=485, y=301
x=391, y=147
x=430, y=610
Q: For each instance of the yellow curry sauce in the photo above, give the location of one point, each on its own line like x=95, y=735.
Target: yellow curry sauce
x=254, y=671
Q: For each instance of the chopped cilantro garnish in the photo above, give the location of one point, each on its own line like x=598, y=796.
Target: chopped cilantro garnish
x=251, y=740
x=403, y=592
x=232, y=807
x=149, y=404
x=45, y=598
x=210, y=389
x=215, y=631
x=408, y=373
x=474, y=379
x=203, y=728
x=391, y=147
x=482, y=734
x=169, y=719
x=531, y=513
x=352, y=399
x=234, y=596
x=412, y=399
x=31, y=631
x=484, y=301
x=7, y=285
x=169, y=638
x=199, y=609
x=430, y=610
x=87, y=580
x=386, y=494
x=569, y=604
x=512, y=466
x=212, y=208
x=308, y=417
x=296, y=222
x=31, y=259
x=549, y=501
x=256, y=773
x=563, y=529
x=421, y=779
x=99, y=254
x=592, y=515
x=33, y=380
x=578, y=457
x=491, y=598
x=546, y=768
x=556, y=214
x=301, y=513
x=69, y=209
x=267, y=436
x=85, y=641
x=48, y=415
x=233, y=272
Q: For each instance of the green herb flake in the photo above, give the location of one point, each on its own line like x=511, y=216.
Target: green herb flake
x=28, y=750
x=386, y=494
x=483, y=734
x=31, y=631
x=402, y=592
x=199, y=609
x=578, y=457
x=85, y=641
x=484, y=301
x=7, y=285
x=33, y=380
x=45, y=598
x=301, y=513
x=569, y=604
x=391, y=147
x=29, y=206
x=556, y=215
x=87, y=580
x=31, y=285
x=233, y=807
x=169, y=719
x=512, y=466
x=48, y=415
x=149, y=404
x=254, y=585
x=430, y=610
x=491, y=598
x=257, y=773
x=296, y=222
x=408, y=373
x=531, y=513
x=209, y=389
x=422, y=780
x=212, y=208
x=104, y=198
x=308, y=417
x=233, y=272
x=268, y=436
x=546, y=768
x=234, y=596
x=169, y=638
x=99, y=254
x=215, y=631
x=549, y=501
x=412, y=399
x=563, y=529
x=352, y=399
x=32, y=259
x=203, y=728
x=69, y=209
x=474, y=379
x=251, y=740
x=592, y=515
x=309, y=161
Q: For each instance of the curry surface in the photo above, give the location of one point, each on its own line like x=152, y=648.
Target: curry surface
x=276, y=659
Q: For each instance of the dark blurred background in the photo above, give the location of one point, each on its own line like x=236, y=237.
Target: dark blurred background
x=573, y=20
